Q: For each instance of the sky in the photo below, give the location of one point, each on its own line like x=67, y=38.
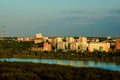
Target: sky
x=90, y=18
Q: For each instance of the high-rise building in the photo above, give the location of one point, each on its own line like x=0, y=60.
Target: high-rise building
x=38, y=38
x=117, y=44
x=98, y=46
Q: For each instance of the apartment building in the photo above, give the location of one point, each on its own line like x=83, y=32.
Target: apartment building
x=98, y=46
x=46, y=46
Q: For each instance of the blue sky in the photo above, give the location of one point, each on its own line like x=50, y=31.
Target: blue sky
x=91, y=18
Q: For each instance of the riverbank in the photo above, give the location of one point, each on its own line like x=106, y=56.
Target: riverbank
x=34, y=71
x=73, y=63
x=95, y=56
x=14, y=49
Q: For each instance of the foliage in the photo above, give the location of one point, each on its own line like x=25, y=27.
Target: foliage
x=34, y=71
x=22, y=50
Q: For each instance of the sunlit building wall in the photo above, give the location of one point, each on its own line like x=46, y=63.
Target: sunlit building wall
x=74, y=46
x=38, y=38
x=61, y=45
x=117, y=44
x=46, y=46
x=83, y=43
x=71, y=39
x=100, y=46
x=59, y=39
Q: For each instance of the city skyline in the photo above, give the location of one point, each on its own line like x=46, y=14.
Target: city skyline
x=91, y=18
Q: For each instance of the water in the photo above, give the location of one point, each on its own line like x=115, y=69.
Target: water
x=74, y=63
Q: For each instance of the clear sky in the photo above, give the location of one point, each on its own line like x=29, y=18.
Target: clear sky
x=91, y=18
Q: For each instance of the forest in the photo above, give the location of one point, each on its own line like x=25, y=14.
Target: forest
x=35, y=71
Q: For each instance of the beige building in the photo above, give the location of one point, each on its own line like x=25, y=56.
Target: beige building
x=98, y=46
x=38, y=38
x=71, y=40
x=59, y=39
x=83, y=43
x=82, y=39
x=20, y=39
x=25, y=39
x=61, y=45
x=36, y=48
x=74, y=46
x=38, y=35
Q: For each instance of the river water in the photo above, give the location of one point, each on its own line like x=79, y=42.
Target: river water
x=74, y=63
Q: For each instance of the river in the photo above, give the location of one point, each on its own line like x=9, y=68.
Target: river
x=74, y=63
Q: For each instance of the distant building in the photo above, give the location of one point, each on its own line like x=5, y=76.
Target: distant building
x=71, y=39
x=74, y=46
x=52, y=41
x=117, y=44
x=98, y=46
x=109, y=37
x=38, y=35
x=28, y=39
x=83, y=43
x=20, y=39
x=46, y=46
x=25, y=39
x=36, y=48
x=59, y=39
x=38, y=38
x=82, y=39
x=45, y=39
x=60, y=45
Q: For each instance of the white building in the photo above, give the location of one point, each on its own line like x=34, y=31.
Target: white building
x=83, y=39
x=38, y=38
x=59, y=39
x=98, y=46
x=62, y=45
x=38, y=35
x=83, y=43
x=70, y=39
x=74, y=46
x=20, y=39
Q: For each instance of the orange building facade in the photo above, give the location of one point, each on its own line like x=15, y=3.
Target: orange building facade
x=117, y=45
x=46, y=46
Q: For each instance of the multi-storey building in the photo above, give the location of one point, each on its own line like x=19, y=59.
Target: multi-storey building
x=59, y=39
x=69, y=39
x=60, y=45
x=46, y=46
x=117, y=44
x=74, y=46
x=98, y=46
x=38, y=38
x=83, y=43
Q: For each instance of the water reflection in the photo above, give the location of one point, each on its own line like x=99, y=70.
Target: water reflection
x=74, y=63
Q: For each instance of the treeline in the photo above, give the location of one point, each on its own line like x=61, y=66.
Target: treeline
x=15, y=45
x=22, y=50
x=34, y=71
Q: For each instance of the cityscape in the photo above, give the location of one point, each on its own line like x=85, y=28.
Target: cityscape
x=28, y=57
x=78, y=44
x=59, y=39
